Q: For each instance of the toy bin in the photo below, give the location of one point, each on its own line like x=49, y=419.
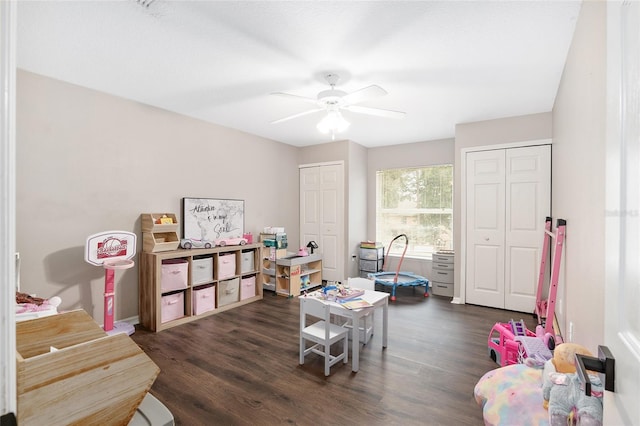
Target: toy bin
x=248, y=287
x=202, y=270
x=172, y=306
x=204, y=299
x=159, y=222
x=92, y=378
x=226, y=265
x=153, y=242
x=247, y=261
x=228, y=292
x=174, y=274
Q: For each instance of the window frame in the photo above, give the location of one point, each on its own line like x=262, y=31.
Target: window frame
x=431, y=210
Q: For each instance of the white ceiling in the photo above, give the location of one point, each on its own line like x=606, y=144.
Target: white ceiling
x=442, y=62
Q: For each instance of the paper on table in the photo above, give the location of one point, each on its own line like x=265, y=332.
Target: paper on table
x=356, y=304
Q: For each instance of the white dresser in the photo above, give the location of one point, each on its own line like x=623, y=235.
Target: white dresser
x=442, y=274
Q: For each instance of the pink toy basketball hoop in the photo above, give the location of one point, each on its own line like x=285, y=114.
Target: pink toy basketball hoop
x=113, y=251
x=118, y=264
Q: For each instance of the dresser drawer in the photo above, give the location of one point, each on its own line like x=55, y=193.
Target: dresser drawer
x=442, y=289
x=443, y=276
x=442, y=266
x=442, y=258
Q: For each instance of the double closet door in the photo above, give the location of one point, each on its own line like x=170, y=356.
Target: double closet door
x=322, y=214
x=508, y=197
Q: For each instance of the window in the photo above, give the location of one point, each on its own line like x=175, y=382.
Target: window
x=417, y=202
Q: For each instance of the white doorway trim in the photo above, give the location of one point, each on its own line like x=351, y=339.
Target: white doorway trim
x=461, y=299
x=8, y=29
x=328, y=163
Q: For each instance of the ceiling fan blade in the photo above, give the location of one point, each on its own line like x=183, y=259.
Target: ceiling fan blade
x=300, y=98
x=297, y=115
x=369, y=92
x=376, y=111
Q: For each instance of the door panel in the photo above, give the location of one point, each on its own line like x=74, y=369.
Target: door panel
x=488, y=278
x=525, y=267
x=309, y=205
x=485, y=228
x=528, y=203
x=328, y=231
x=622, y=218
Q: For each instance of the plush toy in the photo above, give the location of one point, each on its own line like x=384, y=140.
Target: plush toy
x=562, y=392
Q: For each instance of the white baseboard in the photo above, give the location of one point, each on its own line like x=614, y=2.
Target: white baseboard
x=132, y=320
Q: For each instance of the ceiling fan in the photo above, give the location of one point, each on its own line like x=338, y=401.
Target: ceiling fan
x=334, y=100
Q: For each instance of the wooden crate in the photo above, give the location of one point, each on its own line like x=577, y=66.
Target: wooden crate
x=149, y=222
x=92, y=379
x=153, y=242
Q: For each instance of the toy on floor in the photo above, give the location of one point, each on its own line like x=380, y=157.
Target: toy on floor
x=28, y=306
x=513, y=343
x=510, y=394
x=111, y=250
x=398, y=278
x=562, y=392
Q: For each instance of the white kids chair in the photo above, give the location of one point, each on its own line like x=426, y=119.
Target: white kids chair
x=322, y=333
x=365, y=328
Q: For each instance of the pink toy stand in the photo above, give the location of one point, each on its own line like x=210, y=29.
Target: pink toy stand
x=112, y=250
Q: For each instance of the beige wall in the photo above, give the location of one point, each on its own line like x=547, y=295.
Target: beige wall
x=579, y=175
x=400, y=156
x=90, y=162
x=357, y=202
x=485, y=133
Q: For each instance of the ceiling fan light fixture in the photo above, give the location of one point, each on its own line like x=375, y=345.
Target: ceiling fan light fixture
x=333, y=123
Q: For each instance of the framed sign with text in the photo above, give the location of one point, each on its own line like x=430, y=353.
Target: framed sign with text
x=212, y=218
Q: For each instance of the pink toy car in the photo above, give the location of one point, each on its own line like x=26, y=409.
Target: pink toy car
x=230, y=241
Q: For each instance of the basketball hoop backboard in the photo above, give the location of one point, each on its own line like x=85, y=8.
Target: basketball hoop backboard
x=109, y=245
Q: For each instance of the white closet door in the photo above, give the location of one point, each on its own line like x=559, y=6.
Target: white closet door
x=322, y=215
x=508, y=197
x=528, y=203
x=485, y=228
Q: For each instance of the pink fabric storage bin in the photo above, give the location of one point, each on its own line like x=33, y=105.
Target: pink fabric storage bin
x=174, y=274
x=228, y=292
x=204, y=300
x=226, y=266
x=172, y=306
x=248, y=287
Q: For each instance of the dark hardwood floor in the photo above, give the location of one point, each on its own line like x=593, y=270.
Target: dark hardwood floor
x=240, y=367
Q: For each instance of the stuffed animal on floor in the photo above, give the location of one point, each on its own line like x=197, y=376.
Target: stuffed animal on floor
x=562, y=392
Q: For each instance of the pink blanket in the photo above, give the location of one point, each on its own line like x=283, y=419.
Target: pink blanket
x=512, y=395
